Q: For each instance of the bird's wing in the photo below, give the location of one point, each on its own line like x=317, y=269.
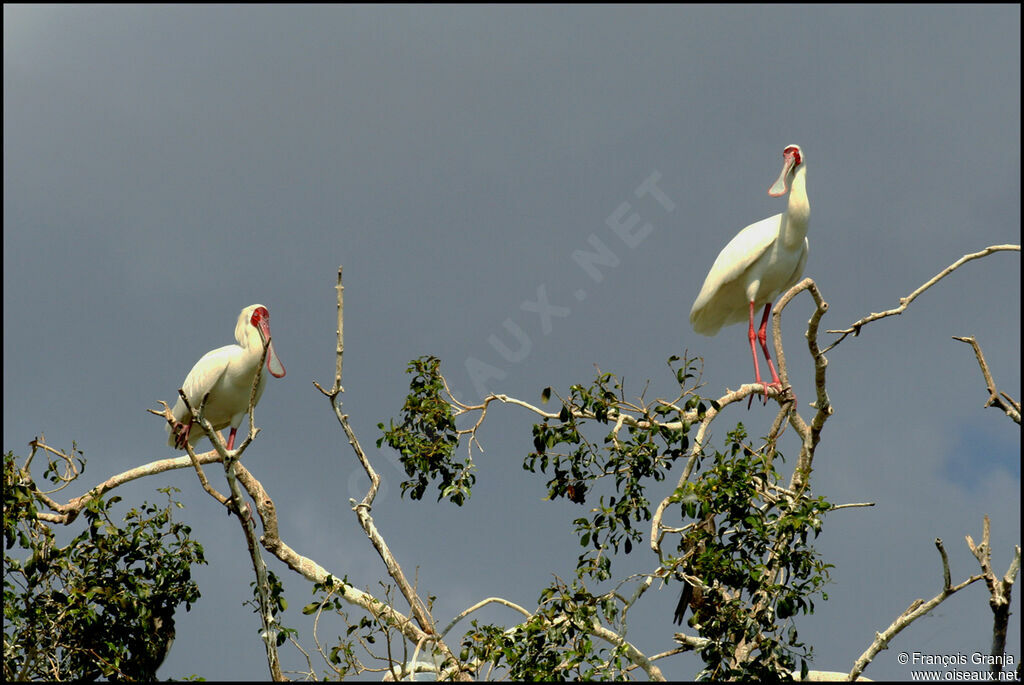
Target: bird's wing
x=204, y=376
x=745, y=248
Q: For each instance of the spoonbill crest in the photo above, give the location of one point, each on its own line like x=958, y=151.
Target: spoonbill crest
x=227, y=374
x=761, y=262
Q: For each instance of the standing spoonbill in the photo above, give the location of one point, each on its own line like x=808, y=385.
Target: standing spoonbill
x=760, y=263
x=227, y=374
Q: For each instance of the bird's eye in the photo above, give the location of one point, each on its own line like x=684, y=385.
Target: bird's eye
x=795, y=151
x=258, y=315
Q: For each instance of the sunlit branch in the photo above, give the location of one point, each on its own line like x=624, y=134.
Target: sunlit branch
x=905, y=301
x=916, y=610
x=362, y=509
x=480, y=605
x=1000, y=590
x=995, y=398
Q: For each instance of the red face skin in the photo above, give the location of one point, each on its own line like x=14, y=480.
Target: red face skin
x=791, y=159
x=261, y=321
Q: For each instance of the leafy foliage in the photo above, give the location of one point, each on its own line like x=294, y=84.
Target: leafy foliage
x=342, y=657
x=102, y=605
x=747, y=543
x=426, y=437
x=751, y=534
x=553, y=644
x=278, y=605
x=654, y=443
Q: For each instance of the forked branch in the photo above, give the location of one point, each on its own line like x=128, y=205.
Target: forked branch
x=999, y=589
x=362, y=509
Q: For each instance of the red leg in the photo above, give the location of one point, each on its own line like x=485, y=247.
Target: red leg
x=231, y=439
x=762, y=337
x=751, y=335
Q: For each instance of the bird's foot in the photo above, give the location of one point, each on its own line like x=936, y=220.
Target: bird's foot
x=764, y=391
x=247, y=516
x=180, y=431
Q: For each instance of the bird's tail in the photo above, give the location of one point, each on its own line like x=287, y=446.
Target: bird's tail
x=684, y=601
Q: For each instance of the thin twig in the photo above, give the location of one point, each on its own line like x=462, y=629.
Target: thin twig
x=479, y=605
x=905, y=301
x=362, y=509
x=849, y=505
x=193, y=457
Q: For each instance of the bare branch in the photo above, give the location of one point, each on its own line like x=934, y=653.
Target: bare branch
x=480, y=605
x=690, y=643
x=1000, y=591
x=632, y=653
x=341, y=332
x=916, y=610
x=310, y=569
x=810, y=435
x=191, y=452
x=1009, y=405
x=363, y=508
x=339, y=352
x=905, y=301
x=851, y=504
x=66, y=513
x=69, y=473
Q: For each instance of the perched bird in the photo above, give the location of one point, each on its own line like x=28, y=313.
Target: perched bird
x=760, y=263
x=227, y=374
x=693, y=595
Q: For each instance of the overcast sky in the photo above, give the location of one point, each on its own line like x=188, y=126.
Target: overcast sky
x=166, y=166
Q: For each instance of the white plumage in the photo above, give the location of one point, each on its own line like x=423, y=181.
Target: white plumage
x=227, y=373
x=761, y=262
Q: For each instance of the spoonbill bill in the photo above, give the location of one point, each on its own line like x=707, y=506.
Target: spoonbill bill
x=227, y=374
x=760, y=263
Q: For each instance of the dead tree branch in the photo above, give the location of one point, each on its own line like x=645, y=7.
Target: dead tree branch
x=1000, y=591
x=995, y=398
x=362, y=509
x=905, y=301
x=916, y=610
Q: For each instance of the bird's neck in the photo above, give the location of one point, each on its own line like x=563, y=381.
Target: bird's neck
x=798, y=211
x=251, y=341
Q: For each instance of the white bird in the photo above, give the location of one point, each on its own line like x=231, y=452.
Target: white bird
x=227, y=373
x=761, y=262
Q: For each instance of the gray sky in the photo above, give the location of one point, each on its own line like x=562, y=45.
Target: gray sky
x=166, y=166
